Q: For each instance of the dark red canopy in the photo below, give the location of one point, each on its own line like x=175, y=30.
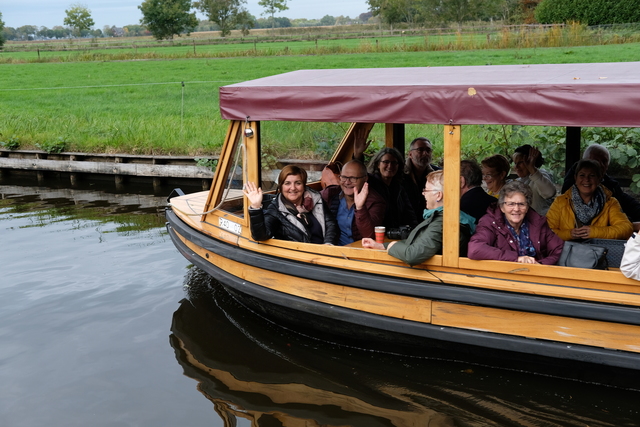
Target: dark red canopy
x=605, y=94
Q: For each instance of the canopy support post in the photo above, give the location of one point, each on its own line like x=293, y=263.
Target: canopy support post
x=451, y=225
x=394, y=136
x=572, y=144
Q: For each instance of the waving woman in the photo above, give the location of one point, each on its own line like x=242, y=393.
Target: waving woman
x=297, y=213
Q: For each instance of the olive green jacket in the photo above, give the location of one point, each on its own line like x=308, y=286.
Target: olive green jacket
x=425, y=240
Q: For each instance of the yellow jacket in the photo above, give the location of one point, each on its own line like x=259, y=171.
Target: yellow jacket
x=611, y=223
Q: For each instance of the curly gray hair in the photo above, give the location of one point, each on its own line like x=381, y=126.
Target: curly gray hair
x=515, y=186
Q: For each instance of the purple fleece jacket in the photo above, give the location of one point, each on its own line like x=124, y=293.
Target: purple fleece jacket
x=493, y=240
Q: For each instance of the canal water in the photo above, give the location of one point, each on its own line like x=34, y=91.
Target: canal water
x=104, y=323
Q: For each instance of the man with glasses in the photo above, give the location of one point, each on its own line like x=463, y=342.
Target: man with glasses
x=417, y=167
x=357, y=208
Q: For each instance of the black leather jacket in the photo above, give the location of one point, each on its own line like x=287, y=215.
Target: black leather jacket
x=274, y=221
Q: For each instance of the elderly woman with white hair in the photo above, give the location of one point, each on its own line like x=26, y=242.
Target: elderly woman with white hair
x=425, y=240
x=511, y=231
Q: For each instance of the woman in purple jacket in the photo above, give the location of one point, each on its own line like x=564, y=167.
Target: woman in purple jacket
x=512, y=232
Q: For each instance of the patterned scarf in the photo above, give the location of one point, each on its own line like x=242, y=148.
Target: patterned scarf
x=301, y=212
x=586, y=212
x=523, y=241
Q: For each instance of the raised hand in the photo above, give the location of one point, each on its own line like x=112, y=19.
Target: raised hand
x=360, y=142
x=360, y=197
x=254, y=194
x=531, y=159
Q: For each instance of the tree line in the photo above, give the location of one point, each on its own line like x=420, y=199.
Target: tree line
x=164, y=19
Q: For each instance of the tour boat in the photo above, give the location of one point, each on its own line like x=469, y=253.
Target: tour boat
x=364, y=295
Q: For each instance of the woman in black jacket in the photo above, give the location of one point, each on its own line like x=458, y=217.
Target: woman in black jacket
x=385, y=177
x=297, y=213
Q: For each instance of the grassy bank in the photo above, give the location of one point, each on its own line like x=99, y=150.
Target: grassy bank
x=142, y=107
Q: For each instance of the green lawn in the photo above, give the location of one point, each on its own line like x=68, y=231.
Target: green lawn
x=141, y=106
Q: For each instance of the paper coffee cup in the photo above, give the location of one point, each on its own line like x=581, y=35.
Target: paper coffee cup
x=380, y=234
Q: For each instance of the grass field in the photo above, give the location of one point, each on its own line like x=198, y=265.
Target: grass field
x=141, y=106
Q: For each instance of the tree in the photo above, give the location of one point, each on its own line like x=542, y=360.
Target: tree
x=1, y=31
x=396, y=11
x=227, y=14
x=328, y=20
x=273, y=6
x=78, y=18
x=166, y=18
x=27, y=32
x=364, y=17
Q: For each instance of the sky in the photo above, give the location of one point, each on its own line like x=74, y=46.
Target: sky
x=49, y=13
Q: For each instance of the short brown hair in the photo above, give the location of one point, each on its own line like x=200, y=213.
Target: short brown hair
x=498, y=162
x=291, y=170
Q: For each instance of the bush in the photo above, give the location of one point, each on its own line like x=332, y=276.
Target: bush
x=590, y=12
x=12, y=144
x=57, y=146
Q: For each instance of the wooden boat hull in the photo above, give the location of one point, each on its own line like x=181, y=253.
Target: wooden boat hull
x=367, y=306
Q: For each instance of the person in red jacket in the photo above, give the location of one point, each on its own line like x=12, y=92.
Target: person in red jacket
x=511, y=231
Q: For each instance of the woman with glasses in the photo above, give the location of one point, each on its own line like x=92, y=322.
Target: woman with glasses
x=297, y=213
x=587, y=209
x=511, y=231
x=386, y=178
x=495, y=170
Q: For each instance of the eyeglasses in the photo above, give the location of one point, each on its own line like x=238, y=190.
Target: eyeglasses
x=488, y=175
x=422, y=150
x=515, y=204
x=351, y=179
x=389, y=162
x=428, y=191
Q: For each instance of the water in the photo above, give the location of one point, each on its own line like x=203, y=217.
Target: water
x=103, y=323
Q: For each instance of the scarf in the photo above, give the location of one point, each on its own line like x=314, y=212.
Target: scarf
x=585, y=212
x=305, y=216
x=465, y=218
x=302, y=211
x=523, y=241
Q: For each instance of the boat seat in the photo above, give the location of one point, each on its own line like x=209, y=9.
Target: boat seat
x=615, y=250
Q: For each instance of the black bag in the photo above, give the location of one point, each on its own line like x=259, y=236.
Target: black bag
x=583, y=255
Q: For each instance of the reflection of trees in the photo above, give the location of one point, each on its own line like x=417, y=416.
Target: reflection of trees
x=130, y=212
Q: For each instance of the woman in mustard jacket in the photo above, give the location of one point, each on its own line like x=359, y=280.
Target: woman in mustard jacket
x=587, y=210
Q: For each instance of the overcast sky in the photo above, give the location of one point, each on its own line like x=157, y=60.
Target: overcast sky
x=49, y=13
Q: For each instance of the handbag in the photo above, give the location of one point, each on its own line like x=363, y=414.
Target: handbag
x=583, y=255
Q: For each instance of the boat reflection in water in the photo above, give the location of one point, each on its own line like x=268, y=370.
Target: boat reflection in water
x=252, y=369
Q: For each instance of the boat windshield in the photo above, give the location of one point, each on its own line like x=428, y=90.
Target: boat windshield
x=232, y=200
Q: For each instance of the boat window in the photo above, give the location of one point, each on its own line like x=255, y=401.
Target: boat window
x=232, y=197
